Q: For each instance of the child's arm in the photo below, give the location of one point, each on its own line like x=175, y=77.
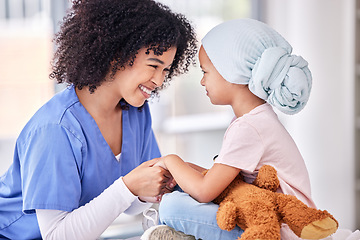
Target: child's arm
x=196, y=167
x=202, y=188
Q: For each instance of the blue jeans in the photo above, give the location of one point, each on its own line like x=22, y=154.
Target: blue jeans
x=183, y=213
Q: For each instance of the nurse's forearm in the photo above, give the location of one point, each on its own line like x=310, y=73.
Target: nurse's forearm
x=89, y=221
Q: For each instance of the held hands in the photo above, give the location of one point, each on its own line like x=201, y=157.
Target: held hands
x=170, y=184
x=150, y=181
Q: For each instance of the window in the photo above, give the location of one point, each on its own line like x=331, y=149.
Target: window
x=25, y=48
x=26, y=32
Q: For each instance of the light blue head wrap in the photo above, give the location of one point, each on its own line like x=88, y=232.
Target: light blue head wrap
x=246, y=51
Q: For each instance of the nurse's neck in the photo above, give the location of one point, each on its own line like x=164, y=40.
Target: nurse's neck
x=100, y=103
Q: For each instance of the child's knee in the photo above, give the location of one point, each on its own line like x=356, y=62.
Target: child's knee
x=170, y=200
x=171, y=203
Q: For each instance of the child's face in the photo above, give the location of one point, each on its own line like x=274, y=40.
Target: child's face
x=135, y=83
x=217, y=88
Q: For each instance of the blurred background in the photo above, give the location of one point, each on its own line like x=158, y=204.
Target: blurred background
x=325, y=32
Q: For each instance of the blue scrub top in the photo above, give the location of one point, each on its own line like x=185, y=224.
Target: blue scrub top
x=62, y=161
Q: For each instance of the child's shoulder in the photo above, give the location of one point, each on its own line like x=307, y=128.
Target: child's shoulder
x=257, y=119
x=260, y=113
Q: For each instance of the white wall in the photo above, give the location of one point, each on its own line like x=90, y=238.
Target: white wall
x=322, y=31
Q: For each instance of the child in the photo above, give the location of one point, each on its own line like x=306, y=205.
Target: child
x=82, y=159
x=248, y=66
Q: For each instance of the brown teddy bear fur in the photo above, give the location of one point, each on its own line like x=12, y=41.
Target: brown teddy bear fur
x=259, y=210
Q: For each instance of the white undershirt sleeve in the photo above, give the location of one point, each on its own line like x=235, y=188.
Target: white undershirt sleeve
x=137, y=207
x=89, y=221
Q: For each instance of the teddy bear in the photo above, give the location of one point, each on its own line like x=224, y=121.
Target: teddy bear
x=259, y=210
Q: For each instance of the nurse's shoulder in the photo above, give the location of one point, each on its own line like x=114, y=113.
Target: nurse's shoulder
x=54, y=112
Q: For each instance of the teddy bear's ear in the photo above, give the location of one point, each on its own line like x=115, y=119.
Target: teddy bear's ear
x=267, y=178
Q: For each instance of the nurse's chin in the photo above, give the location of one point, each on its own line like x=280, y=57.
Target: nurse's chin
x=136, y=103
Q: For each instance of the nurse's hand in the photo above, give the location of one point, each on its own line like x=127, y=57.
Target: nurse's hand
x=169, y=188
x=156, y=199
x=148, y=180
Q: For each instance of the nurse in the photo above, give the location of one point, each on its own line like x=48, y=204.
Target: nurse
x=83, y=158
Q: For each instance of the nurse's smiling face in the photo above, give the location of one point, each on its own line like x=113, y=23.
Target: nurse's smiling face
x=135, y=83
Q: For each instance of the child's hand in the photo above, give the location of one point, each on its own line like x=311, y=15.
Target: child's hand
x=160, y=163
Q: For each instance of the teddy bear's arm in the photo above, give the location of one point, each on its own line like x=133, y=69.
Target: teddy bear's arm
x=267, y=178
x=226, y=216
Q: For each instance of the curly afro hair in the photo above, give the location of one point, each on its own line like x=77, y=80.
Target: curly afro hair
x=99, y=36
